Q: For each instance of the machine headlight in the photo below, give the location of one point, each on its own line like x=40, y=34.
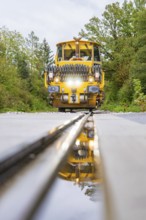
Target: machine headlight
x=90, y=134
x=91, y=144
x=77, y=142
x=70, y=82
x=57, y=79
x=97, y=76
x=82, y=153
x=50, y=75
x=93, y=89
x=78, y=82
x=74, y=82
x=53, y=89
x=91, y=79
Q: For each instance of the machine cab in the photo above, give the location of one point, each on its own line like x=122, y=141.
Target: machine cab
x=77, y=50
x=76, y=80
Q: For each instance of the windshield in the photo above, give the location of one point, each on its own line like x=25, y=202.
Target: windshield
x=86, y=54
x=68, y=54
x=59, y=52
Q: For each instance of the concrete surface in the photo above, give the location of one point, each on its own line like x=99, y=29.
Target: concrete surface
x=122, y=144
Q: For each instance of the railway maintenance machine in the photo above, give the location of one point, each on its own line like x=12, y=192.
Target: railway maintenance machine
x=76, y=80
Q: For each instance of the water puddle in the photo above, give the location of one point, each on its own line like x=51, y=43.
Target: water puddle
x=77, y=192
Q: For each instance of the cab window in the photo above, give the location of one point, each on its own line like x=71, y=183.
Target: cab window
x=86, y=54
x=68, y=54
x=59, y=52
x=96, y=54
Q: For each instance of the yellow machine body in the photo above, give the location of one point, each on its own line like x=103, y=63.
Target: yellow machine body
x=76, y=80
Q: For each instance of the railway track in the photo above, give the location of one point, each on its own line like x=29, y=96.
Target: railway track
x=28, y=171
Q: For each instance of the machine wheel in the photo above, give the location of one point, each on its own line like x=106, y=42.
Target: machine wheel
x=90, y=109
x=61, y=109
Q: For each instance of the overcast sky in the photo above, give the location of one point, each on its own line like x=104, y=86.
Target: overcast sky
x=55, y=20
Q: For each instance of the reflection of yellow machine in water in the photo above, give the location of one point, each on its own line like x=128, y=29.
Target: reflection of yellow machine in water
x=76, y=80
x=80, y=166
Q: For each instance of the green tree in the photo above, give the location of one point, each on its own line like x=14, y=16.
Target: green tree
x=21, y=88
x=139, y=98
x=93, y=30
x=138, y=68
x=32, y=45
x=47, y=56
x=14, y=44
x=140, y=4
x=23, y=67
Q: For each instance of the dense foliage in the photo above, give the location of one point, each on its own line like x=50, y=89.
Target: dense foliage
x=21, y=62
x=122, y=34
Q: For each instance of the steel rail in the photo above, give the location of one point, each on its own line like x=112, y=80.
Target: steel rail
x=10, y=158
x=27, y=191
